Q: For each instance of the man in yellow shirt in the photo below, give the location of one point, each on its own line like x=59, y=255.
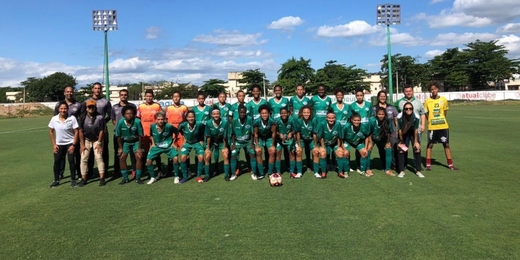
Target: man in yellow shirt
x=436, y=108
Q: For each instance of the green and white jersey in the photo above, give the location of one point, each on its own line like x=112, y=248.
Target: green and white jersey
x=192, y=135
x=375, y=129
x=296, y=104
x=329, y=134
x=242, y=132
x=354, y=137
x=342, y=114
x=252, y=108
x=224, y=110
x=202, y=115
x=233, y=110
x=129, y=133
x=285, y=127
x=163, y=139
x=276, y=106
x=364, y=110
x=320, y=106
x=264, y=128
x=217, y=133
x=306, y=129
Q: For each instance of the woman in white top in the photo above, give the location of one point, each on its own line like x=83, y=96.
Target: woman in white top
x=63, y=131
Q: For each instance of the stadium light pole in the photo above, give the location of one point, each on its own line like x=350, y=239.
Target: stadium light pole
x=388, y=14
x=105, y=20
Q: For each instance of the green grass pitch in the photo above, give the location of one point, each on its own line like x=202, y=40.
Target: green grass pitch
x=472, y=213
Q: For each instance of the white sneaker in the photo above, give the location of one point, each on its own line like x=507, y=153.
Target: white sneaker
x=233, y=177
x=351, y=170
x=260, y=177
x=317, y=175
x=360, y=172
x=152, y=181
x=176, y=180
x=401, y=175
x=253, y=176
x=419, y=174
x=298, y=175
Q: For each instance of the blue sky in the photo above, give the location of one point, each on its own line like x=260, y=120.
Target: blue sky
x=199, y=40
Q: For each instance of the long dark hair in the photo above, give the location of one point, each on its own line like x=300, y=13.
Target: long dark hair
x=383, y=124
x=408, y=120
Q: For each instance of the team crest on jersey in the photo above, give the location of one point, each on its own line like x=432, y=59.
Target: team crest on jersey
x=366, y=109
x=289, y=126
x=221, y=130
x=309, y=128
x=335, y=132
x=305, y=102
x=207, y=113
x=283, y=105
x=248, y=126
x=74, y=109
x=133, y=128
x=345, y=112
x=327, y=103
x=165, y=134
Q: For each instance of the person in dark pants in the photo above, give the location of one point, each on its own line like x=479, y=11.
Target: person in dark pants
x=408, y=127
x=116, y=115
x=391, y=114
x=63, y=131
x=74, y=110
x=104, y=108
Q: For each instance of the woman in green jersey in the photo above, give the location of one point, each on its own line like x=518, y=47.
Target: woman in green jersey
x=355, y=135
x=265, y=139
x=306, y=139
x=285, y=133
x=129, y=133
x=193, y=135
x=329, y=133
x=241, y=132
x=216, y=140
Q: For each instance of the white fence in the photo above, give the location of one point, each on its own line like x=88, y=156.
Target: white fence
x=469, y=95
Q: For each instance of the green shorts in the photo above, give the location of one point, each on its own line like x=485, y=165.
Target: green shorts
x=357, y=146
x=330, y=148
x=187, y=147
x=216, y=146
x=307, y=144
x=268, y=142
x=127, y=147
x=290, y=145
x=239, y=146
x=156, y=152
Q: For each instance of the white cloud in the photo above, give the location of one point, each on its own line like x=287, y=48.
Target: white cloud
x=153, y=32
x=512, y=44
x=432, y=53
x=436, y=1
x=447, y=39
x=286, y=23
x=397, y=39
x=354, y=28
x=231, y=38
x=449, y=19
x=509, y=28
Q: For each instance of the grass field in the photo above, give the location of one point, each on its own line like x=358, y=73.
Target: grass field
x=472, y=213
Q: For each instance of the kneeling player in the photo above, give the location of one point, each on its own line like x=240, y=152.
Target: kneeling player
x=193, y=134
x=162, y=142
x=215, y=132
x=129, y=133
x=241, y=131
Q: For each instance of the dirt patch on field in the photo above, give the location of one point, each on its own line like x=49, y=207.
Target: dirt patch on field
x=27, y=110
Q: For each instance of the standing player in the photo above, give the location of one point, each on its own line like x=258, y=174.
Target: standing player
x=285, y=133
x=175, y=115
x=202, y=111
x=364, y=110
x=381, y=129
x=265, y=138
x=129, y=134
x=223, y=106
x=104, y=108
x=241, y=131
x=116, y=116
x=91, y=136
x=233, y=111
x=193, y=132
x=436, y=108
x=63, y=131
x=298, y=101
x=305, y=129
x=321, y=104
x=216, y=139
x=277, y=102
x=391, y=114
x=341, y=110
x=146, y=113
x=75, y=111
x=254, y=104
x=409, y=133
x=163, y=141
x=329, y=136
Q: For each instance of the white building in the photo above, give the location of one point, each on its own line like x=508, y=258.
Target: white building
x=232, y=85
x=11, y=95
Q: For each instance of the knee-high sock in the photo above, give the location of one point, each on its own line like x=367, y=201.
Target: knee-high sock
x=151, y=171
x=388, y=158
x=206, y=169
x=124, y=173
x=233, y=165
x=323, y=164
x=299, y=167
x=184, y=169
x=341, y=163
x=176, y=169
x=270, y=169
x=364, y=162
x=200, y=166
x=278, y=164
x=291, y=166
x=368, y=161
x=226, y=170
x=254, y=167
x=260, y=168
x=346, y=165
x=316, y=167
x=138, y=173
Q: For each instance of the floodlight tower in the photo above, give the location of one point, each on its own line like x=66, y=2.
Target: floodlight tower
x=105, y=20
x=388, y=14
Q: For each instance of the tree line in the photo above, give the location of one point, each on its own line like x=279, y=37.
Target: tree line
x=477, y=66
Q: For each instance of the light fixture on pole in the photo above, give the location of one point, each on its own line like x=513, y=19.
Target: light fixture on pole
x=105, y=20
x=388, y=14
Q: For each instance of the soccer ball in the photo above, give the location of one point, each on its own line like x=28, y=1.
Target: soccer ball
x=275, y=180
